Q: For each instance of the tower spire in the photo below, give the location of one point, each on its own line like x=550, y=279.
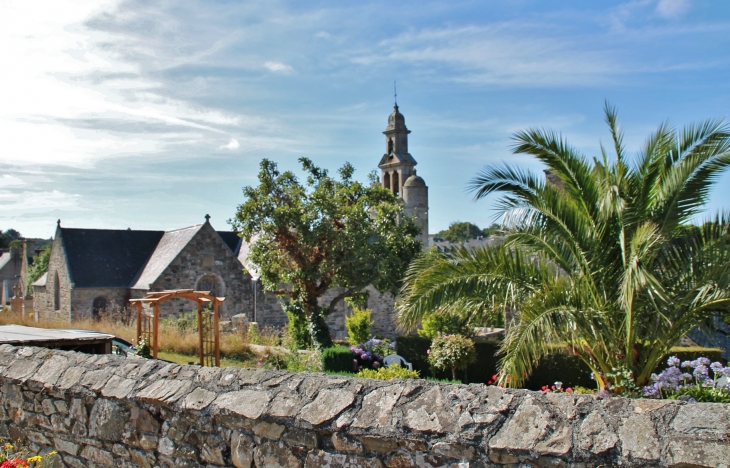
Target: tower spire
x=395, y=94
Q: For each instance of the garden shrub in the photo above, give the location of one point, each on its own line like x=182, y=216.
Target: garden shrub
x=358, y=325
x=438, y=324
x=699, y=380
x=394, y=371
x=298, y=329
x=451, y=351
x=369, y=355
x=337, y=359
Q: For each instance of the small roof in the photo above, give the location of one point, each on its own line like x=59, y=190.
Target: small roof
x=19, y=334
x=170, y=245
x=42, y=280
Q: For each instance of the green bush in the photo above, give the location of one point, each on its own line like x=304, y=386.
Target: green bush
x=358, y=325
x=298, y=328
x=394, y=371
x=337, y=359
x=451, y=351
x=434, y=325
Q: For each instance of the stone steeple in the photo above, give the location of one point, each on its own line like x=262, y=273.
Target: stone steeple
x=398, y=173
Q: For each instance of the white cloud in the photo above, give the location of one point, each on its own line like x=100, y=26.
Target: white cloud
x=10, y=181
x=232, y=145
x=278, y=67
x=672, y=8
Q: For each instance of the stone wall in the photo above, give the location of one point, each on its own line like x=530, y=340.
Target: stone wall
x=106, y=410
x=44, y=301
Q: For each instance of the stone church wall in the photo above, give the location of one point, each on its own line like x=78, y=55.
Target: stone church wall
x=206, y=254
x=44, y=298
x=105, y=410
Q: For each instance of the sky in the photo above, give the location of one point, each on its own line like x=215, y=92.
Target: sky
x=149, y=115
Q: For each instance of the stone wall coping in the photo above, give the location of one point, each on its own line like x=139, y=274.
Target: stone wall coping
x=317, y=419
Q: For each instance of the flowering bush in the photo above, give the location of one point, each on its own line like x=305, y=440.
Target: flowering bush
x=676, y=381
x=451, y=351
x=12, y=458
x=394, y=371
x=369, y=355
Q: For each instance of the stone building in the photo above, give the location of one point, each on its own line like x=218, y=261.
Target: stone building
x=398, y=173
x=94, y=270
x=10, y=266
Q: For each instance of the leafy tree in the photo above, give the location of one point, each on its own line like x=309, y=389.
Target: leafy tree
x=491, y=230
x=453, y=352
x=323, y=234
x=437, y=324
x=38, y=267
x=10, y=236
x=601, y=260
x=459, y=232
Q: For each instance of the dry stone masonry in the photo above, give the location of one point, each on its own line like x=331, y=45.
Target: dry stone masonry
x=104, y=410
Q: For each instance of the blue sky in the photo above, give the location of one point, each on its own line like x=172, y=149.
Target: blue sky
x=151, y=114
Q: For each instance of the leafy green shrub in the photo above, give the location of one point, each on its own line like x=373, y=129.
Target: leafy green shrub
x=393, y=371
x=451, y=351
x=358, y=325
x=305, y=361
x=337, y=359
x=434, y=325
x=298, y=329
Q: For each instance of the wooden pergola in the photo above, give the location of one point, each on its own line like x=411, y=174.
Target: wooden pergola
x=208, y=324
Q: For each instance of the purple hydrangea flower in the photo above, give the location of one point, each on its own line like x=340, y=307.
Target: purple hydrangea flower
x=673, y=361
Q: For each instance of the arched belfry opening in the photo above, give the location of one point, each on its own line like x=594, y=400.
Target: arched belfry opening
x=396, y=184
x=390, y=146
x=386, y=180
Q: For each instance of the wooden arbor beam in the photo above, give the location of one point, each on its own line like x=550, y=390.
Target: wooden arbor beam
x=200, y=297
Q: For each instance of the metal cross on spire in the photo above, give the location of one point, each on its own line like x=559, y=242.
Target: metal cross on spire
x=395, y=94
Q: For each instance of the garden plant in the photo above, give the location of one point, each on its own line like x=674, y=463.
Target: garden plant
x=600, y=258
x=698, y=380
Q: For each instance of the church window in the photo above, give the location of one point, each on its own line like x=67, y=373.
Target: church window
x=396, y=185
x=210, y=283
x=56, y=293
x=386, y=180
x=99, y=307
x=390, y=145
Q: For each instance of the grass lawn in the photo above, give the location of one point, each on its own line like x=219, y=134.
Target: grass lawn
x=188, y=359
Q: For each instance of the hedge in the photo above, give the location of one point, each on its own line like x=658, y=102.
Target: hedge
x=568, y=369
x=337, y=359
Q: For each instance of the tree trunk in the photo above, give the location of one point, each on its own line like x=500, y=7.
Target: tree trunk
x=319, y=331
x=453, y=373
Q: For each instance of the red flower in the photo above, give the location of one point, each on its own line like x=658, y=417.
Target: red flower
x=16, y=463
x=490, y=382
x=494, y=377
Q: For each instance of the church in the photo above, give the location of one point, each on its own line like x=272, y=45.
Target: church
x=93, y=270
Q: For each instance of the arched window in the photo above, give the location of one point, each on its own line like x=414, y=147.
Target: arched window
x=390, y=145
x=99, y=307
x=386, y=180
x=396, y=185
x=56, y=293
x=210, y=283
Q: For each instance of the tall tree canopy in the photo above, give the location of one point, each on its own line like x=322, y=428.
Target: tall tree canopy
x=600, y=260
x=325, y=233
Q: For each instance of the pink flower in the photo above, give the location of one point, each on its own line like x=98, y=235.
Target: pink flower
x=568, y=390
x=258, y=363
x=428, y=352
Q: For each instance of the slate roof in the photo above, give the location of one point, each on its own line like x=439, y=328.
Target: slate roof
x=169, y=247
x=105, y=258
x=42, y=280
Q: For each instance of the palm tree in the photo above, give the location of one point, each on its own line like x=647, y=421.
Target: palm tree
x=601, y=260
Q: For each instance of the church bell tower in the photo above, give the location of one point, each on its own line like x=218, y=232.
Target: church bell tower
x=398, y=173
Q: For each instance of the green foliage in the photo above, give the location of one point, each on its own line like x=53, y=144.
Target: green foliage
x=451, y=352
x=358, y=325
x=7, y=237
x=702, y=394
x=393, y=371
x=491, y=230
x=459, y=232
x=337, y=359
x=38, y=267
x=600, y=258
x=434, y=325
x=326, y=232
x=143, y=348
x=298, y=328
x=253, y=335
x=305, y=361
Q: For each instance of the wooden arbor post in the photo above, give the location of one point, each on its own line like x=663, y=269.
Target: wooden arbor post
x=209, y=347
